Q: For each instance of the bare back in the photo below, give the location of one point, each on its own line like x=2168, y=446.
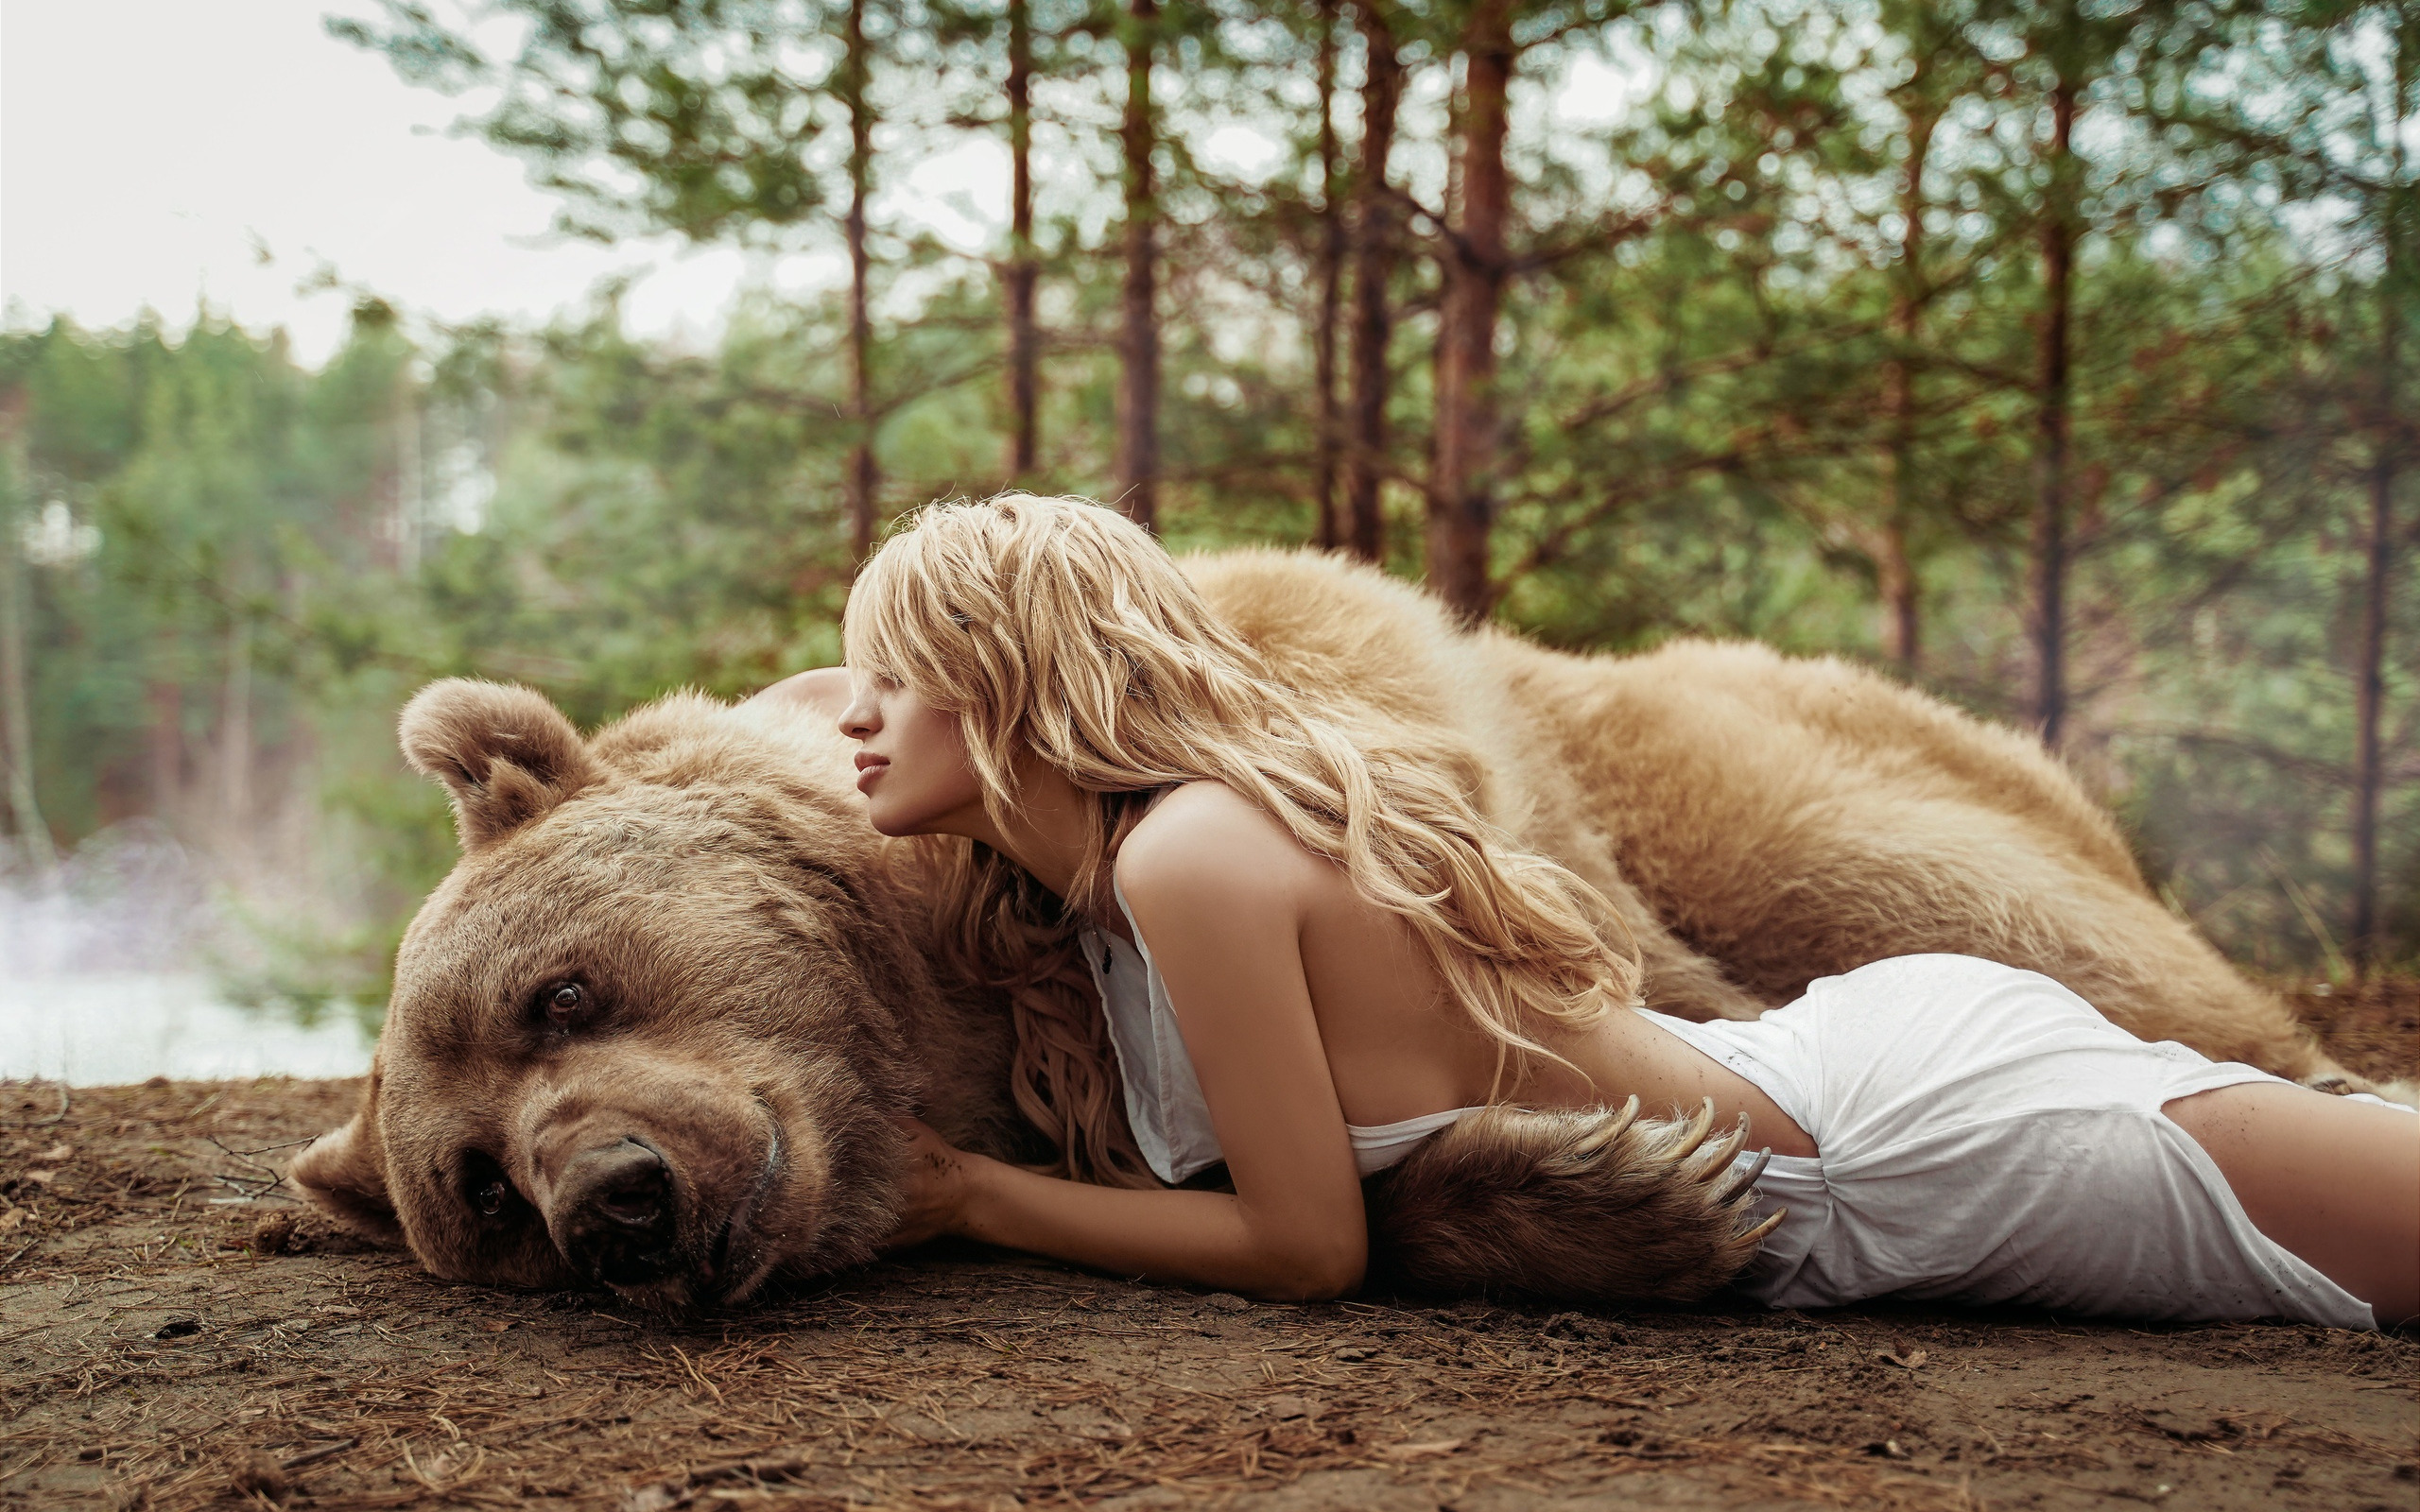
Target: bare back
x=1396, y=1047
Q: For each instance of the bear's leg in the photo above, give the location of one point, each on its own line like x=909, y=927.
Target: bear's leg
x=1678, y=980
x=1859, y=886
x=1584, y=1205
x=1683, y=983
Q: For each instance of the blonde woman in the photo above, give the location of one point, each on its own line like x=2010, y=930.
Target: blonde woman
x=1239, y=931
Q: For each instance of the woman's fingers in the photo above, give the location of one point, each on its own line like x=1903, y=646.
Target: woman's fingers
x=931, y=1184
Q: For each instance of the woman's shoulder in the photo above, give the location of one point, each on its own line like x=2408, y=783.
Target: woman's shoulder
x=823, y=690
x=1205, y=839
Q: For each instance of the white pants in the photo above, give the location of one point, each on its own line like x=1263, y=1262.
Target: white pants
x=1987, y=1136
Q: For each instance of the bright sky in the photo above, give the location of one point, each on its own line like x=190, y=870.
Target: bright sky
x=155, y=152
x=159, y=152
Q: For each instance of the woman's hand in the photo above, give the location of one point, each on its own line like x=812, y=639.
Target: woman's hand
x=933, y=1187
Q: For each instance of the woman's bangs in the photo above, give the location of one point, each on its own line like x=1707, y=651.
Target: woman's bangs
x=884, y=630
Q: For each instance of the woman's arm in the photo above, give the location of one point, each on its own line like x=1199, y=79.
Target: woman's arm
x=1202, y=1238
x=1215, y=890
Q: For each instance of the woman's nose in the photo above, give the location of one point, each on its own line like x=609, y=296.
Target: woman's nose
x=861, y=719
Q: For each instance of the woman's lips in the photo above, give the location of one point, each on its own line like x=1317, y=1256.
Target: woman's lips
x=870, y=767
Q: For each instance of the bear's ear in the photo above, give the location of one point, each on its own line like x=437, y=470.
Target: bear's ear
x=506, y=753
x=344, y=1171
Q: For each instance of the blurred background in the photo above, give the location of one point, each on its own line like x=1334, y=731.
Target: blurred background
x=2047, y=355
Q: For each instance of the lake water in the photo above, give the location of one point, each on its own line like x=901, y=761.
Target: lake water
x=105, y=976
x=106, y=1028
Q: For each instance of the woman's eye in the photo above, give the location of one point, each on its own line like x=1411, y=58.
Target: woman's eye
x=492, y=1198
x=564, y=1003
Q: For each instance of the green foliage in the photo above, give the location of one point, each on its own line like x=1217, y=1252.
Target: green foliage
x=1716, y=295
x=700, y=116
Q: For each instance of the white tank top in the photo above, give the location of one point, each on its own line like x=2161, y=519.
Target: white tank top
x=1164, y=1102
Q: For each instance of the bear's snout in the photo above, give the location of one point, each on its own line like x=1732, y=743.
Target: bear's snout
x=612, y=1214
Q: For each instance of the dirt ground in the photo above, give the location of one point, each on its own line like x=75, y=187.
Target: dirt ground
x=175, y=1332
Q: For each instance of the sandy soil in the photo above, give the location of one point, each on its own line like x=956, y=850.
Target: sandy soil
x=176, y=1332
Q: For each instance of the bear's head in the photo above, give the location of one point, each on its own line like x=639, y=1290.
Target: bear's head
x=652, y=1031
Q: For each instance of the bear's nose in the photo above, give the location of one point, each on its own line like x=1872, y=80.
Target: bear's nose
x=614, y=1204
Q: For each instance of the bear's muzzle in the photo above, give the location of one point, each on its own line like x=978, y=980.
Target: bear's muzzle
x=614, y=1214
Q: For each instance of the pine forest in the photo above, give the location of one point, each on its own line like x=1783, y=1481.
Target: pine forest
x=2046, y=354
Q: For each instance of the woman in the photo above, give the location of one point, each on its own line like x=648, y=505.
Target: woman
x=1306, y=950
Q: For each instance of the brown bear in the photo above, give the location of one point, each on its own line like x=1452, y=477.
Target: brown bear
x=650, y=1031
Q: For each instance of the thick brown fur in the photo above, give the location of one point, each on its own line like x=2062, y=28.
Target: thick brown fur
x=1762, y=820
x=1581, y=1204
x=760, y=960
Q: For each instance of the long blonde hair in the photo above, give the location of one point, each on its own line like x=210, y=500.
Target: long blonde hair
x=1059, y=627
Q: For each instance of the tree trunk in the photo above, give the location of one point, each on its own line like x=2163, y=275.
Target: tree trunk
x=1025, y=443
x=1373, y=256
x=411, y=505
x=1462, y=495
x=2047, y=608
x=2370, y=695
x=24, y=814
x=167, y=748
x=236, y=736
x=1901, y=591
x=1138, y=393
x=1895, y=572
x=1330, y=529
x=2398, y=279
x=857, y=72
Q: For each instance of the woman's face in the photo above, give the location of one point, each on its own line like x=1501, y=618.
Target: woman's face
x=911, y=762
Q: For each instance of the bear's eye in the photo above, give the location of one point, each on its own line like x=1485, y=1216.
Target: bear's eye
x=486, y=1185
x=564, y=1003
